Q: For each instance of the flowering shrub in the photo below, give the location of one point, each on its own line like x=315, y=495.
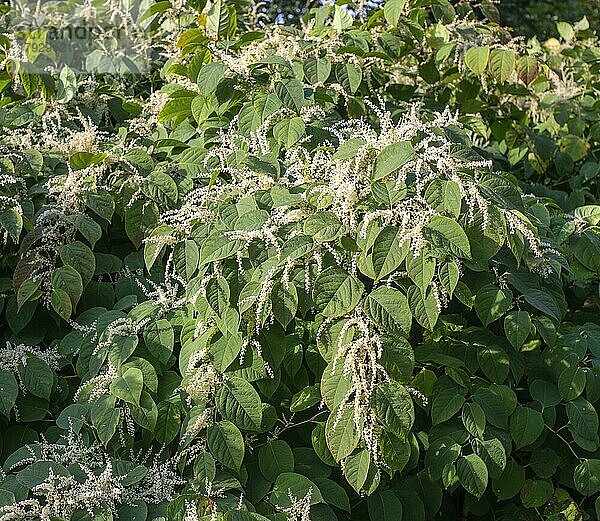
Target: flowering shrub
x=302, y=273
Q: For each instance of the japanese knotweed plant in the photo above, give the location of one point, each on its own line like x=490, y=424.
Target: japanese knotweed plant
x=296, y=273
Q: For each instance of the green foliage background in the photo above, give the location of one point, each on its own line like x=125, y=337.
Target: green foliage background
x=341, y=269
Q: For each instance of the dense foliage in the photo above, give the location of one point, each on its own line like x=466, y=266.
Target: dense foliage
x=343, y=271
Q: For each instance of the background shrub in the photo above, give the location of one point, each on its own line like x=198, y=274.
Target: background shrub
x=340, y=270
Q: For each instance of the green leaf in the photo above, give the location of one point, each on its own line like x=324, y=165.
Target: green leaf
x=447, y=235
x=295, y=485
x=389, y=250
x=476, y=59
x=168, y=422
x=128, y=386
x=392, y=404
x=217, y=247
x=393, y=157
x=341, y=434
x=79, y=256
x=12, y=221
x=445, y=404
x=100, y=202
x=61, y=303
x=442, y=452
x=526, y=426
x=493, y=453
x=37, y=377
x=544, y=392
x=356, y=469
x=491, y=303
x=27, y=289
x=161, y=188
x=336, y=292
x=473, y=419
x=421, y=270
x=473, y=474
x=583, y=418
x=342, y=19
x=334, y=385
x=424, y=309
x=226, y=444
x=587, y=477
x=384, y=505
x=217, y=19
x=275, y=458
x=105, y=418
x=146, y=415
x=392, y=10
x=536, y=492
x=159, y=338
x=494, y=362
x=571, y=383
x=289, y=131
x=510, y=481
x=389, y=309
x=349, y=76
x=317, y=70
x=68, y=279
x=239, y=403
x=502, y=64
x=527, y=69
x=209, y=77
x=291, y=94
x=517, y=326
x=395, y=451
x=323, y=226
x=9, y=390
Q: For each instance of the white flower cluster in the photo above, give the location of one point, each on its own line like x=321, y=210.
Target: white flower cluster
x=13, y=356
x=359, y=348
x=96, y=487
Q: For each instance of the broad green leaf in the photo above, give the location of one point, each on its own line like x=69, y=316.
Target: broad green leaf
x=295, y=485
x=384, y=505
x=571, y=383
x=389, y=250
x=68, y=279
x=391, y=158
x=445, y=404
x=476, y=58
x=288, y=131
x=336, y=292
x=239, y=403
x=128, y=386
x=473, y=474
x=587, y=477
x=226, y=444
x=491, y=303
x=517, y=326
x=424, y=309
x=37, y=376
x=392, y=9
x=9, y=390
x=274, y=458
x=356, y=469
x=389, y=309
x=392, y=404
x=341, y=433
x=526, y=426
x=502, y=64
x=447, y=235
x=421, y=270
x=583, y=419
x=317, y=70
x=473, y=419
